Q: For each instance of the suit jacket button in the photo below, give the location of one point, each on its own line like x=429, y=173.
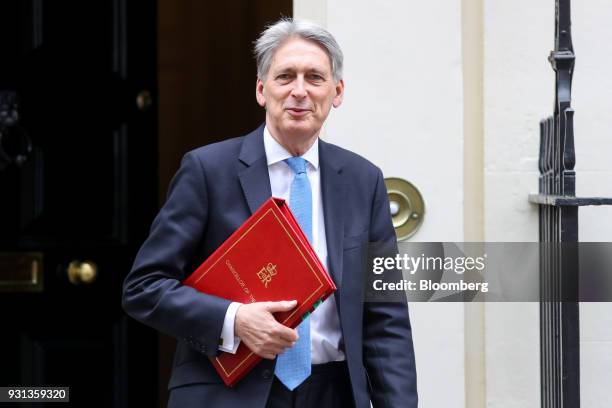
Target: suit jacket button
x=266, y=374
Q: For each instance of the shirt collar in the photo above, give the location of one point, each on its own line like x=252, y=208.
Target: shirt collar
x=275, y=152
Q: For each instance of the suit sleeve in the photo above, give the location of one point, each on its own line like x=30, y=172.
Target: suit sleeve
x=152, y=291
x=388, y=350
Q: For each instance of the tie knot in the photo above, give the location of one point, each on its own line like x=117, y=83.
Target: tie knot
x=297, y=164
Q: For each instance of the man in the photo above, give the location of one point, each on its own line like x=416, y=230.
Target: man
x=349, y=352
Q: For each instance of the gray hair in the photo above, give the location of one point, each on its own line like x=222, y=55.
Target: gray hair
x=275, y=34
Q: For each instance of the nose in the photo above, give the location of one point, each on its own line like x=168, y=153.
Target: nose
x=299, y=89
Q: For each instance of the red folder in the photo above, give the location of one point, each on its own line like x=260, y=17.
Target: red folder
x=267, y=259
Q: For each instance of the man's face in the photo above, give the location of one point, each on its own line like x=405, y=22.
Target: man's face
x=299, y=90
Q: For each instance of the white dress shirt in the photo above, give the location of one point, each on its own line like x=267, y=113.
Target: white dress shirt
x=325, y=333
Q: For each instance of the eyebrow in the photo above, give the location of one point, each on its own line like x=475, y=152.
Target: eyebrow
x=318, y=71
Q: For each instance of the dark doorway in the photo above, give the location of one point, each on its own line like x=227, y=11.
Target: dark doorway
x=207, y=86
x=99, y=100
x=78, y=188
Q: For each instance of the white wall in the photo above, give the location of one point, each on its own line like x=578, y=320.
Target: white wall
x=593, y=129
x=592, y=102
x=518, y=92
x=403, y=111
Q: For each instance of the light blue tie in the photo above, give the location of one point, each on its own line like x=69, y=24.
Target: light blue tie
x=293, y=366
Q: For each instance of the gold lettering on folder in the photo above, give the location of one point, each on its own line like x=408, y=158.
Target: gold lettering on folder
x=266, y=273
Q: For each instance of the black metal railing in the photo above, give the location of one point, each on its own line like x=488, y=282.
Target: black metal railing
x=559, y=264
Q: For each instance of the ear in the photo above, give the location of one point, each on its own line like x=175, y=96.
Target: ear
x=259, y=93
x=337, y=101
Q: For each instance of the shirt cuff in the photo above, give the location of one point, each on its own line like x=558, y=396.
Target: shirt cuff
x=229, y=341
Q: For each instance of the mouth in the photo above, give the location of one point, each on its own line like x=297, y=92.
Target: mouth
x=297, y=112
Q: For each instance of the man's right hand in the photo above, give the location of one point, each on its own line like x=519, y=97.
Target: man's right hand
x=260, y=331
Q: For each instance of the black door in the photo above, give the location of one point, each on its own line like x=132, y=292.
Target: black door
x=78, y=190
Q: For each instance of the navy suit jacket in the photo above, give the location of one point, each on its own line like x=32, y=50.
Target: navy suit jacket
x=215, y=190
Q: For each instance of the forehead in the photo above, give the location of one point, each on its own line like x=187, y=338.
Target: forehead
x=299, y=53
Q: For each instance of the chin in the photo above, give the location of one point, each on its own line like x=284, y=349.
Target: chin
x=301, y=126
x=304, y=134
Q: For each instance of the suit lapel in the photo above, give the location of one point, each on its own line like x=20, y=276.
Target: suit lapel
x=254, y=177
x=333, y=190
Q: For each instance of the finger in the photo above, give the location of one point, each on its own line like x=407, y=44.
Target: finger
x=282, y=306
x=279, y=340
x=283, y=343
x=287, y=334
x=268, y=356
x=274, y=349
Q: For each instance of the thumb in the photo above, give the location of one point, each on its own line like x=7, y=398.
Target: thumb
x=282, y=306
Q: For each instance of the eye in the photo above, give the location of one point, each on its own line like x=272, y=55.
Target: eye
x=283, y=77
